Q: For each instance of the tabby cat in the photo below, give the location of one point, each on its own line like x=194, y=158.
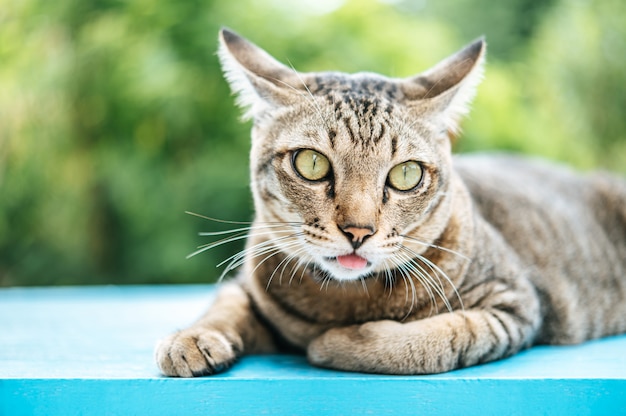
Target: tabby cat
x=374, y=250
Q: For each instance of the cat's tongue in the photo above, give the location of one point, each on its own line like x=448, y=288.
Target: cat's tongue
x=352, y=261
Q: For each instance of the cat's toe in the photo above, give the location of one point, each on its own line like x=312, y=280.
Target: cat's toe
x=328, y=348
x=193, y=353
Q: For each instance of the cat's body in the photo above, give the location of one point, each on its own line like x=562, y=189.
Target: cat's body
x=374, y=250
x=569, y=230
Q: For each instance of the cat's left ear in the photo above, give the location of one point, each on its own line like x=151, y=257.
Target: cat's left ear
x=260, y=81
x=446, y=90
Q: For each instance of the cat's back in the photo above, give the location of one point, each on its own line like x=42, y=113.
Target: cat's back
x=568, y=227
x=518, y=189
x=487, y=173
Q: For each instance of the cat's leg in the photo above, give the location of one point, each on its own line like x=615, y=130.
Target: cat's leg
x=226, y=331
x=441, y=343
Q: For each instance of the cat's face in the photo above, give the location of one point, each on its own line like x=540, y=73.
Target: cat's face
x=354, y=175
x=355, y=166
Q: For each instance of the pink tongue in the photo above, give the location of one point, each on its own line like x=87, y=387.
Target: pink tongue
x=352, y=261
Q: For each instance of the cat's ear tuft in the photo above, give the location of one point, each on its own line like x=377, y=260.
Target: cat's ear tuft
x=446, y=90
x=259, y=80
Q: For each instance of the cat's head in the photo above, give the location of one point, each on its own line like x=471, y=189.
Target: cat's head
x=357, y=165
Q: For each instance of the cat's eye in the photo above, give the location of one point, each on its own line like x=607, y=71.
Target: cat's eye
x=311, y=165
x=405, y=176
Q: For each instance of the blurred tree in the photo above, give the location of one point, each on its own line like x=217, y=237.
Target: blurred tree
x=579, y=64
x=508, y=25
x=115, y=119
x=564, y=97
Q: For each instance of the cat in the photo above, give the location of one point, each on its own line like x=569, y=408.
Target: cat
x=374, y=250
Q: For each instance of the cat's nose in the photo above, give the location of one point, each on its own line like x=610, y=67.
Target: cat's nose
x=357, y=234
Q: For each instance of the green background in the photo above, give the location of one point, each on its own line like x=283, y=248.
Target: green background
x=115, y=120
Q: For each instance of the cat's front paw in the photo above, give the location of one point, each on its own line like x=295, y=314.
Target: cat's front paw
x=196, y=352
x=361, y=348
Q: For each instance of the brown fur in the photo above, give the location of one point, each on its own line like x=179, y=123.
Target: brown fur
x=486, y=256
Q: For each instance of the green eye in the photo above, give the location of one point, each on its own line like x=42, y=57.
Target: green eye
x=405, y=176
x=311, y=165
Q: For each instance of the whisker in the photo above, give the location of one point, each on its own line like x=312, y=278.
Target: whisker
x=243, y=229
x=438, y=272
x=285, y=237
x=435, y=246
x=256, y=251
x=299, y=264
x=404, y=266
x=364, y=285
x=241, y=222
x=411, y=258
x=284, y=263
x=261, y=245
x=429, y=284
x=310, y=98
x=388, y=276
x=223, y=241
x=273, y=252
x=413, y=290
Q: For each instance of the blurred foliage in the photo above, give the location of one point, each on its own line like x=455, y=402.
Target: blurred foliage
x=114, y=118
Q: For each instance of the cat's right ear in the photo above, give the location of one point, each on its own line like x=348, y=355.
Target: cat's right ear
x=259, y=81
x=444, y=92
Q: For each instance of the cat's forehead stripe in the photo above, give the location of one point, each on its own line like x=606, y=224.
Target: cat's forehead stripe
x=353, y=85
x=362, y=119
x=331, y=138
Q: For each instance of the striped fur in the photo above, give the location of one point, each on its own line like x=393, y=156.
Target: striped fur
x=486, y=256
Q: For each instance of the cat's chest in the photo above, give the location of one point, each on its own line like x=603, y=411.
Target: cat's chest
x=303, y=309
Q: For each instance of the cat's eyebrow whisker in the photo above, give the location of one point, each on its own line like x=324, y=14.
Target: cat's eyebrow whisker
x=453, y=68
x=310, y=98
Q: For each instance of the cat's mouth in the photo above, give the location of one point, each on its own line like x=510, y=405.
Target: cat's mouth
x=351, y=261
x=347, y=267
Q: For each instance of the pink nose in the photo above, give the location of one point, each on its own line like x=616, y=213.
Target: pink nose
x=357, y=234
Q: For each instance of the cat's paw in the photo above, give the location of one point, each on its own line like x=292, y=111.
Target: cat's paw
x=196, y=352
x=353, y=348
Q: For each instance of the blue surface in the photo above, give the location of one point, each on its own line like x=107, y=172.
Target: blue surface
x=78, y=351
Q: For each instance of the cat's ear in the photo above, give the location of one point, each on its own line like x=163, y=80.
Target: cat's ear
x=446, y=90
x=259, y=80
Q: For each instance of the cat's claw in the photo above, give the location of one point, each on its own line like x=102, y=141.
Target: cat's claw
x=196, y=352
